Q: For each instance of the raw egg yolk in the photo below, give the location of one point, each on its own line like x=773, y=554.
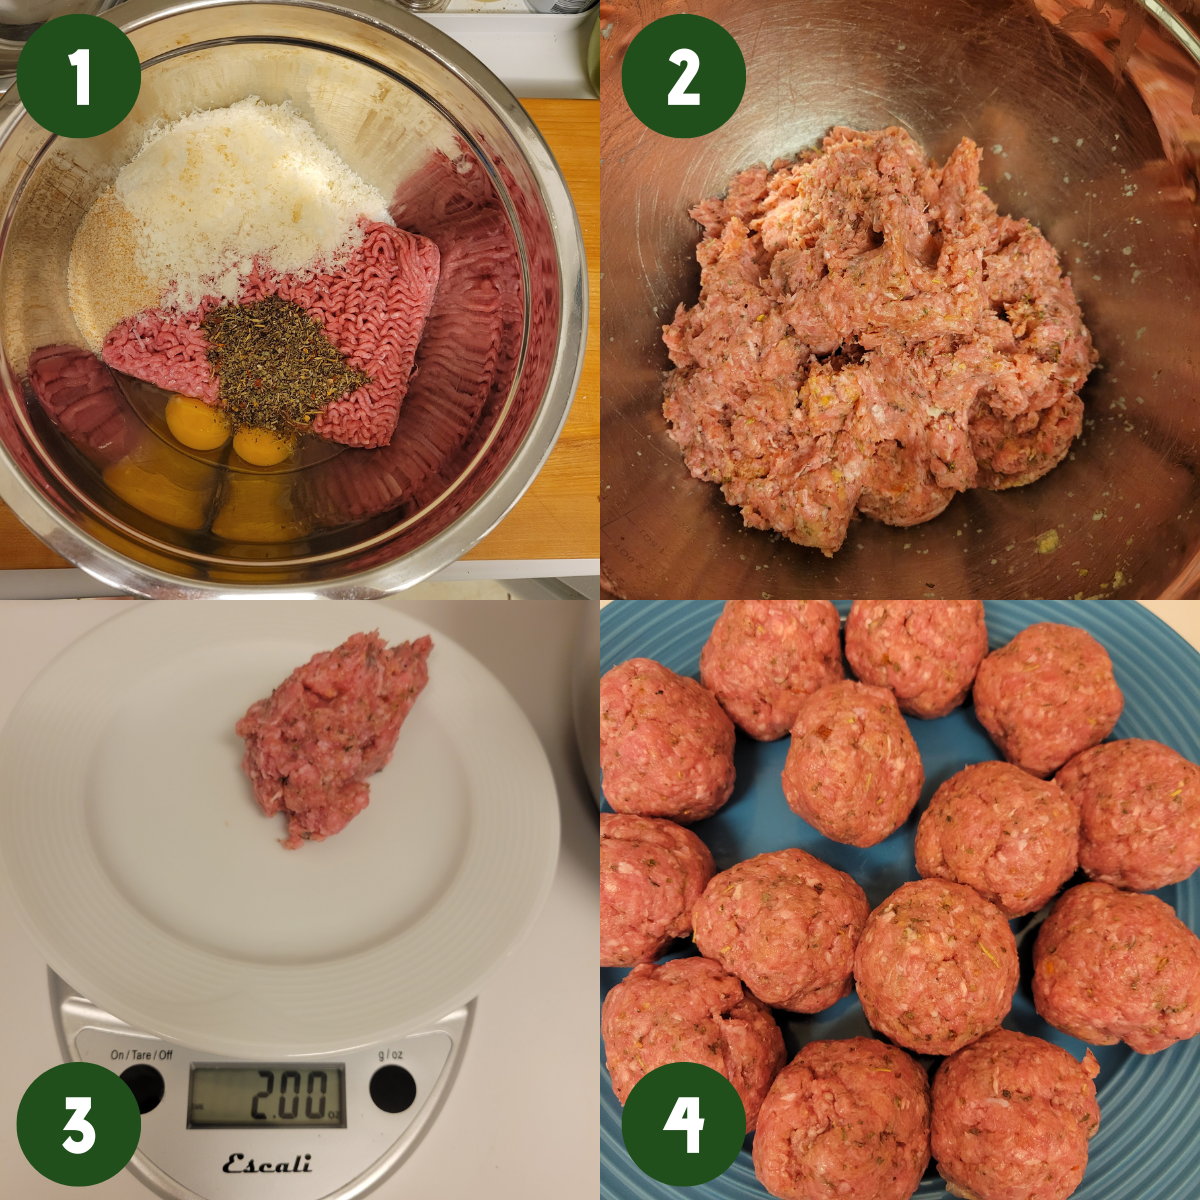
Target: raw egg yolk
x=261, y=447
x=197, y=425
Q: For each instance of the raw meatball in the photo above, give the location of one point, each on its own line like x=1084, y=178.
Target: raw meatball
x=786, y=924
x=651, y=875
x=1112, y=966
x=1012, y=1116
x=690, y=1010
x=832, y=1125
x=926, y=651
x=666, y=745
x=1139, y=806
x=996, y=828
x=1047, y=695
x=764, y=656
x=936, y=967
x=853, y=771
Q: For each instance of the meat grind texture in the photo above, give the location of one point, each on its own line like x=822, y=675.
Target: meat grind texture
x=844, y=1118
x=764, y=657
x=690, y=1010
x=652, y=872
x=871, y=337
x=786, y=924
x=312, y=744
x=1012, y=1116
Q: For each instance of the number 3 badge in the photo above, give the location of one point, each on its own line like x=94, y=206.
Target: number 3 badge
x=683, y=76
x=78, y=76
x=78, y=1124
x=683, y=1124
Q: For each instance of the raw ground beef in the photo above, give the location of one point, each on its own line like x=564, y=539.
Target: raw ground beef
x=652, y=872
x=764, y=657
x=786, y=924
x=1139, y=808
x=313, y=743
x=1113, y=966
x=1012, y=1116
x=871, y=336
x=926, y=651
x=1046, y=696
x=853, y=771
x=1013, y=837
x=690, y=1010
x=844, y=1118
x=81, y=397
x=666, y=745
x=372, y=308
x=936, y=967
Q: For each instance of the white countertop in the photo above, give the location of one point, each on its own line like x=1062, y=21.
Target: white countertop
x=521, y=1120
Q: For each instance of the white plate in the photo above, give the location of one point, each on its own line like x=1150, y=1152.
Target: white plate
x=150, y=880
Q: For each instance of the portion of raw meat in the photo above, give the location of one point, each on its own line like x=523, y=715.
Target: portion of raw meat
x=372, y=308
x=1047, y=695
x=690, y=1010
x=1139, y=808
x=666, y=745
x=81, y=397
x=853, y=770
x=786, y=924
x=1012, y=1116
x=936, y=967
x=312, y=744
x=764, y=656
x=1112, y=966
x=652, y=872
x=844, y=1118
x=871, y=336
x=1012, y=837
x=926, y=651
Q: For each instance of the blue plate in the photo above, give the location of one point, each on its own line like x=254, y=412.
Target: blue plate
x=1149, y=1139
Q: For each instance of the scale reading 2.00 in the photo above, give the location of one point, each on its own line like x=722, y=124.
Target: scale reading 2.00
x=268, y=1097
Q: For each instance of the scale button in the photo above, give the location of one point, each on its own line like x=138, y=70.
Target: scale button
x=393, y=1089
x=147, y=1086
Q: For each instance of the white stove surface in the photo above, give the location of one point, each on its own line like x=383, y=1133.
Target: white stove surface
x=520, y=1122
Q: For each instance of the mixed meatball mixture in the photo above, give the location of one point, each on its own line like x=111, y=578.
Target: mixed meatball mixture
x=871, y=337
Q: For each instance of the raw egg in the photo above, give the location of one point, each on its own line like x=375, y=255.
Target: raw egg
x=197, y=425
x=261, y=447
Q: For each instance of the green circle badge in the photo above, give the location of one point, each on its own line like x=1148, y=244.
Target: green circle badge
x=78, y=1124
x=683, y=76
x=683, y=1124
x=78, y=76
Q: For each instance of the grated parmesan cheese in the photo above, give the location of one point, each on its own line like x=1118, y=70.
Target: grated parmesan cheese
x=218, y=189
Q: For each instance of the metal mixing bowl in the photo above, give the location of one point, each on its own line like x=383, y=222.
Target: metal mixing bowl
x=389, y=94
x=1065, y=146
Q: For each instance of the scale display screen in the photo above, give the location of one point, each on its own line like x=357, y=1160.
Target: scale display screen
x=270, y=1096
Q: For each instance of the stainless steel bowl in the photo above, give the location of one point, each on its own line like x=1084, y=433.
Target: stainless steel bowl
x=428, y=125
x=1067, y=147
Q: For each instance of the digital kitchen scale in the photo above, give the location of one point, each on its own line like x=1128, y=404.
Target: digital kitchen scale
x=327, y=1127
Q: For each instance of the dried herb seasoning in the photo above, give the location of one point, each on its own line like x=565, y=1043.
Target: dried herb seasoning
x=275, y=367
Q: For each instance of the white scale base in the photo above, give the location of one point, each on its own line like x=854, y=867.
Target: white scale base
x=306, y=1163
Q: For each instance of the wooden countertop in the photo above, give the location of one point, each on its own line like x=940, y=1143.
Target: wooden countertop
x=559, y=516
